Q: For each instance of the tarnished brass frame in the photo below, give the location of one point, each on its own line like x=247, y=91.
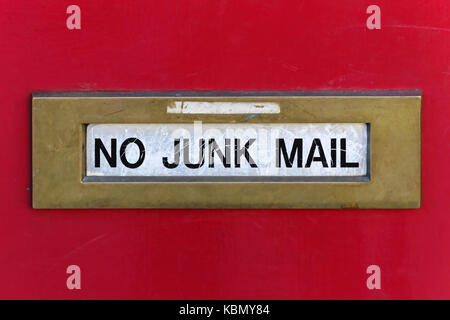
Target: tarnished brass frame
x=58, y=121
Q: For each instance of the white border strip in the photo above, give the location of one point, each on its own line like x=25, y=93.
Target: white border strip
x=200, y=107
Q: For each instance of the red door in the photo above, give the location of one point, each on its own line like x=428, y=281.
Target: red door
x=233, y=45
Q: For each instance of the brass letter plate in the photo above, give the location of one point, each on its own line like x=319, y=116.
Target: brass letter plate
x=280, y=149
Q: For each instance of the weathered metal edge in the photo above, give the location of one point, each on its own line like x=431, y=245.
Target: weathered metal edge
x=226, y=93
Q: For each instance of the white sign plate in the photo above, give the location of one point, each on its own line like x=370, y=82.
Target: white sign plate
x=227, y=150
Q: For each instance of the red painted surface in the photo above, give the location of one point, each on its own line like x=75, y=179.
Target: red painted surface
x=239, y=45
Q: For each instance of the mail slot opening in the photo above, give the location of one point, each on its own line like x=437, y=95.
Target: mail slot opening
x=208, y=152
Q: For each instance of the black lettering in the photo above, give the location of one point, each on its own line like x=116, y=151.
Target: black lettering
x=123, y=157
x=111, y=158
x=344, y=163
x=238, y=152
x=297, y=149
x=176, y=162
x=333, y=153
x=213, y=147
x=321, y=158
x=201, y=155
